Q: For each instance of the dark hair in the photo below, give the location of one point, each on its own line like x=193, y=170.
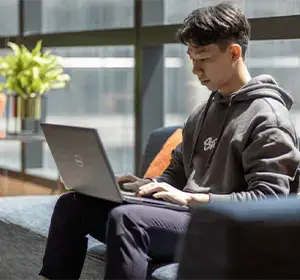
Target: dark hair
x=221, y=24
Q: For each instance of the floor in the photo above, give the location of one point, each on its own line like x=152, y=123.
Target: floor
x=12, y=187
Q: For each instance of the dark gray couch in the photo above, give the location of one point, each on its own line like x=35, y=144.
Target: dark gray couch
x=253, y=240
x=257, y=240
x=24, y=223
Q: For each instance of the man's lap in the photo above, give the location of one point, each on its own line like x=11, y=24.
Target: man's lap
x=164, y=227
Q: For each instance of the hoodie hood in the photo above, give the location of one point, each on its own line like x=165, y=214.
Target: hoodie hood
x=258, y=87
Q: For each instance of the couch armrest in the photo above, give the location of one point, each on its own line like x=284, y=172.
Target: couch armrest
x=255, y=240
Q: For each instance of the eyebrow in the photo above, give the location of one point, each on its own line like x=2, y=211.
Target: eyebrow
x=197, y=51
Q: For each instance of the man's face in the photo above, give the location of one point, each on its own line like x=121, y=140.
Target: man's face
x=212, y=66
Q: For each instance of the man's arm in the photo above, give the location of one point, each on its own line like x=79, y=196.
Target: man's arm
x=270, y=163
x=174, y=175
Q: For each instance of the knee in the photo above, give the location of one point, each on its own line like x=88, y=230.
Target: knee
x=117, y=214
x=66, y=198
x=131, y=211
x=123, y=217
x=64, y=201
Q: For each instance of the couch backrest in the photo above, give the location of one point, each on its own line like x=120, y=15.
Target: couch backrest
x=251, y=240
x=156, y=140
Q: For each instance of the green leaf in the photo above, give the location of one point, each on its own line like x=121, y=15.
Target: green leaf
x=63, y=78
x=36, y=85
x=24, y=82
x=41, y=60
x=11, y=61
x=15, y=48
x=58, y=85
x=37, y=49
x=3, y=66
x=46, y=54
x=35, y=73
x=28, y=72
x=54, y=73
x=43, y=88
x=2, y=87
x=20, y=91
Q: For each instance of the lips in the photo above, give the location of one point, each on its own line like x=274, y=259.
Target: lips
x=203, y=80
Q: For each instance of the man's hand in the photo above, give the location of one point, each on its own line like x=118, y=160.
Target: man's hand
x=171, y=194
x=129, y=182
x=165, y=192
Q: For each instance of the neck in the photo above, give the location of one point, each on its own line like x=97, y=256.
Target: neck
x=237, y=81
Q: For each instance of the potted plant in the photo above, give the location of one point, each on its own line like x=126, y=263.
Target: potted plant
x=30, y=74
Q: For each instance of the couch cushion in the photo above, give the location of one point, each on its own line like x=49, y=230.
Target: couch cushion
x=167, y=272
x=32, y=213
x=98, y=251
x=163, y=158
x=155, y=142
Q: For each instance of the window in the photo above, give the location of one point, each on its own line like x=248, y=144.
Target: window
x=80, y=15
x=183, y=92
x=10, y=151
x=279, y=58
x=9, y=17
x=182, y=89
x=175, y=11
x=100, y=95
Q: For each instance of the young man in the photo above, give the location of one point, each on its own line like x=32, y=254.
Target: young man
x=239, y=146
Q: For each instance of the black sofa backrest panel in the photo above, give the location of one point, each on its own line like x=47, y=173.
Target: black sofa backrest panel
x=156, y=140
x=249, y=240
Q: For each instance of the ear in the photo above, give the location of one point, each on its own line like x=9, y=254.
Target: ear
x=236, y=52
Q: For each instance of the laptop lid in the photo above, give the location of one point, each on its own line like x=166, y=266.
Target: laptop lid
x=82, y=161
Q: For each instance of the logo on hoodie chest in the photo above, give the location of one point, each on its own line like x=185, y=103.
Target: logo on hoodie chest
x=209, y=144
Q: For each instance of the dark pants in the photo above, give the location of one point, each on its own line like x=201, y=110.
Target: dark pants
x=132, y=233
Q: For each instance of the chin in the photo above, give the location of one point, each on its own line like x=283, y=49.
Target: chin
x=210, y=87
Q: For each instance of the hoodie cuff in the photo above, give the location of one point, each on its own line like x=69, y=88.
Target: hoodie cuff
x=159, y=179
x=219, y=197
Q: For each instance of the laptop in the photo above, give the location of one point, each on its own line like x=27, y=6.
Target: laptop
x=84, y=167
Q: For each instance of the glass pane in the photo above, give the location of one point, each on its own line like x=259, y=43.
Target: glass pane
x=183, y=91
x=80, y=15
x=10, y=155
x=279, y=58
x=10, y=151
x=100, y=95
x=9, y=17
x=176, y=10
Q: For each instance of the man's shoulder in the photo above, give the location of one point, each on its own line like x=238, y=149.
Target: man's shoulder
x=271, y=111
x=268, y=112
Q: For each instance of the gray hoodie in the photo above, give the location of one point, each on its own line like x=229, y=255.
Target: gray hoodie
x=242, y=147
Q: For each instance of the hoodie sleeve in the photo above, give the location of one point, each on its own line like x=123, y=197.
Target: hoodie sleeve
x=270, y=163
x=174, y=175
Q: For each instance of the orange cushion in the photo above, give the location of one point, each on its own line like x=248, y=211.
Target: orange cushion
x=163, y=158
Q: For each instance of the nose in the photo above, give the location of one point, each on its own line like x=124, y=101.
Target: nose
x=198, y=71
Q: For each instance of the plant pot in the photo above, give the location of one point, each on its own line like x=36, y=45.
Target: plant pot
x=29, y=108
